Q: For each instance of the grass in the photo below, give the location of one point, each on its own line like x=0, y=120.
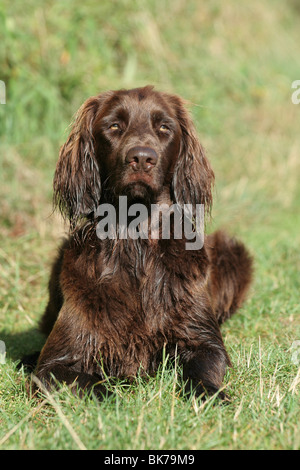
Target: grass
x=235, y=64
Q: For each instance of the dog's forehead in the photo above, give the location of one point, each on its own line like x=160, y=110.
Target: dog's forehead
x=141, y=102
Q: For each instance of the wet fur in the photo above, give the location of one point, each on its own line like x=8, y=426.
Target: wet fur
x=114, y=305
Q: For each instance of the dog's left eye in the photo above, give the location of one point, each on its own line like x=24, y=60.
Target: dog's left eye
x=164, y=128
x=115, y=126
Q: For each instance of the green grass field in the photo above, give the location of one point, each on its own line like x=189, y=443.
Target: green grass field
x=235, y=64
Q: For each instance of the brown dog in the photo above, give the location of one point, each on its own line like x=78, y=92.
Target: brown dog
x=116, y=303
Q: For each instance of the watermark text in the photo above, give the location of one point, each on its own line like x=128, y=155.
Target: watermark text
x=2, y=92
x=295, y=350
x=161, y=221
x=2, y=352
x=296, y=94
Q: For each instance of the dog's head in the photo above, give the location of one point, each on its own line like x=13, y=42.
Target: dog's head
x=139, y=143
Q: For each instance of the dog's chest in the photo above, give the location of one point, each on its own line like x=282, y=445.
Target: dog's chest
x=139, y=284
x=133, y=302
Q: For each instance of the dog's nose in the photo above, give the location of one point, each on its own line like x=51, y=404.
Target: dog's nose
x=141, y=158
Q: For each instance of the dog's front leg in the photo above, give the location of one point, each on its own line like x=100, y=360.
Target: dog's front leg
x=204, y=370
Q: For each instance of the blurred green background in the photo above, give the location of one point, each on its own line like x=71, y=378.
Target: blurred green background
x=235, y=63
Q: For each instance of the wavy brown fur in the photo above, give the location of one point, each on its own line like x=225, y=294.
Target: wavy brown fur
x=116, y=304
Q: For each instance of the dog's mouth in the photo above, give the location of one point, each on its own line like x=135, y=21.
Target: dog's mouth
x=139, y=192
x=139, y=189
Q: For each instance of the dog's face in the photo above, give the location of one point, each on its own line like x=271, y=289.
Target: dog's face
x=138, y=138
x=140, y=143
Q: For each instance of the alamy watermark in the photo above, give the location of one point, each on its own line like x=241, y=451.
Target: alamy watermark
x=160, y=221
x=2, y=352
x=2, y=92
x=295, y=350
x=296, y=94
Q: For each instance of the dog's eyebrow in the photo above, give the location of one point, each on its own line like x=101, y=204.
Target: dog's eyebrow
x=159, y=114
x=118, y=113
x=162, y=116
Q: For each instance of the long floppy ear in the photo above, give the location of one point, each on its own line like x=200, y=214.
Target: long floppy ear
x=193, y=176
x=77, y=184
